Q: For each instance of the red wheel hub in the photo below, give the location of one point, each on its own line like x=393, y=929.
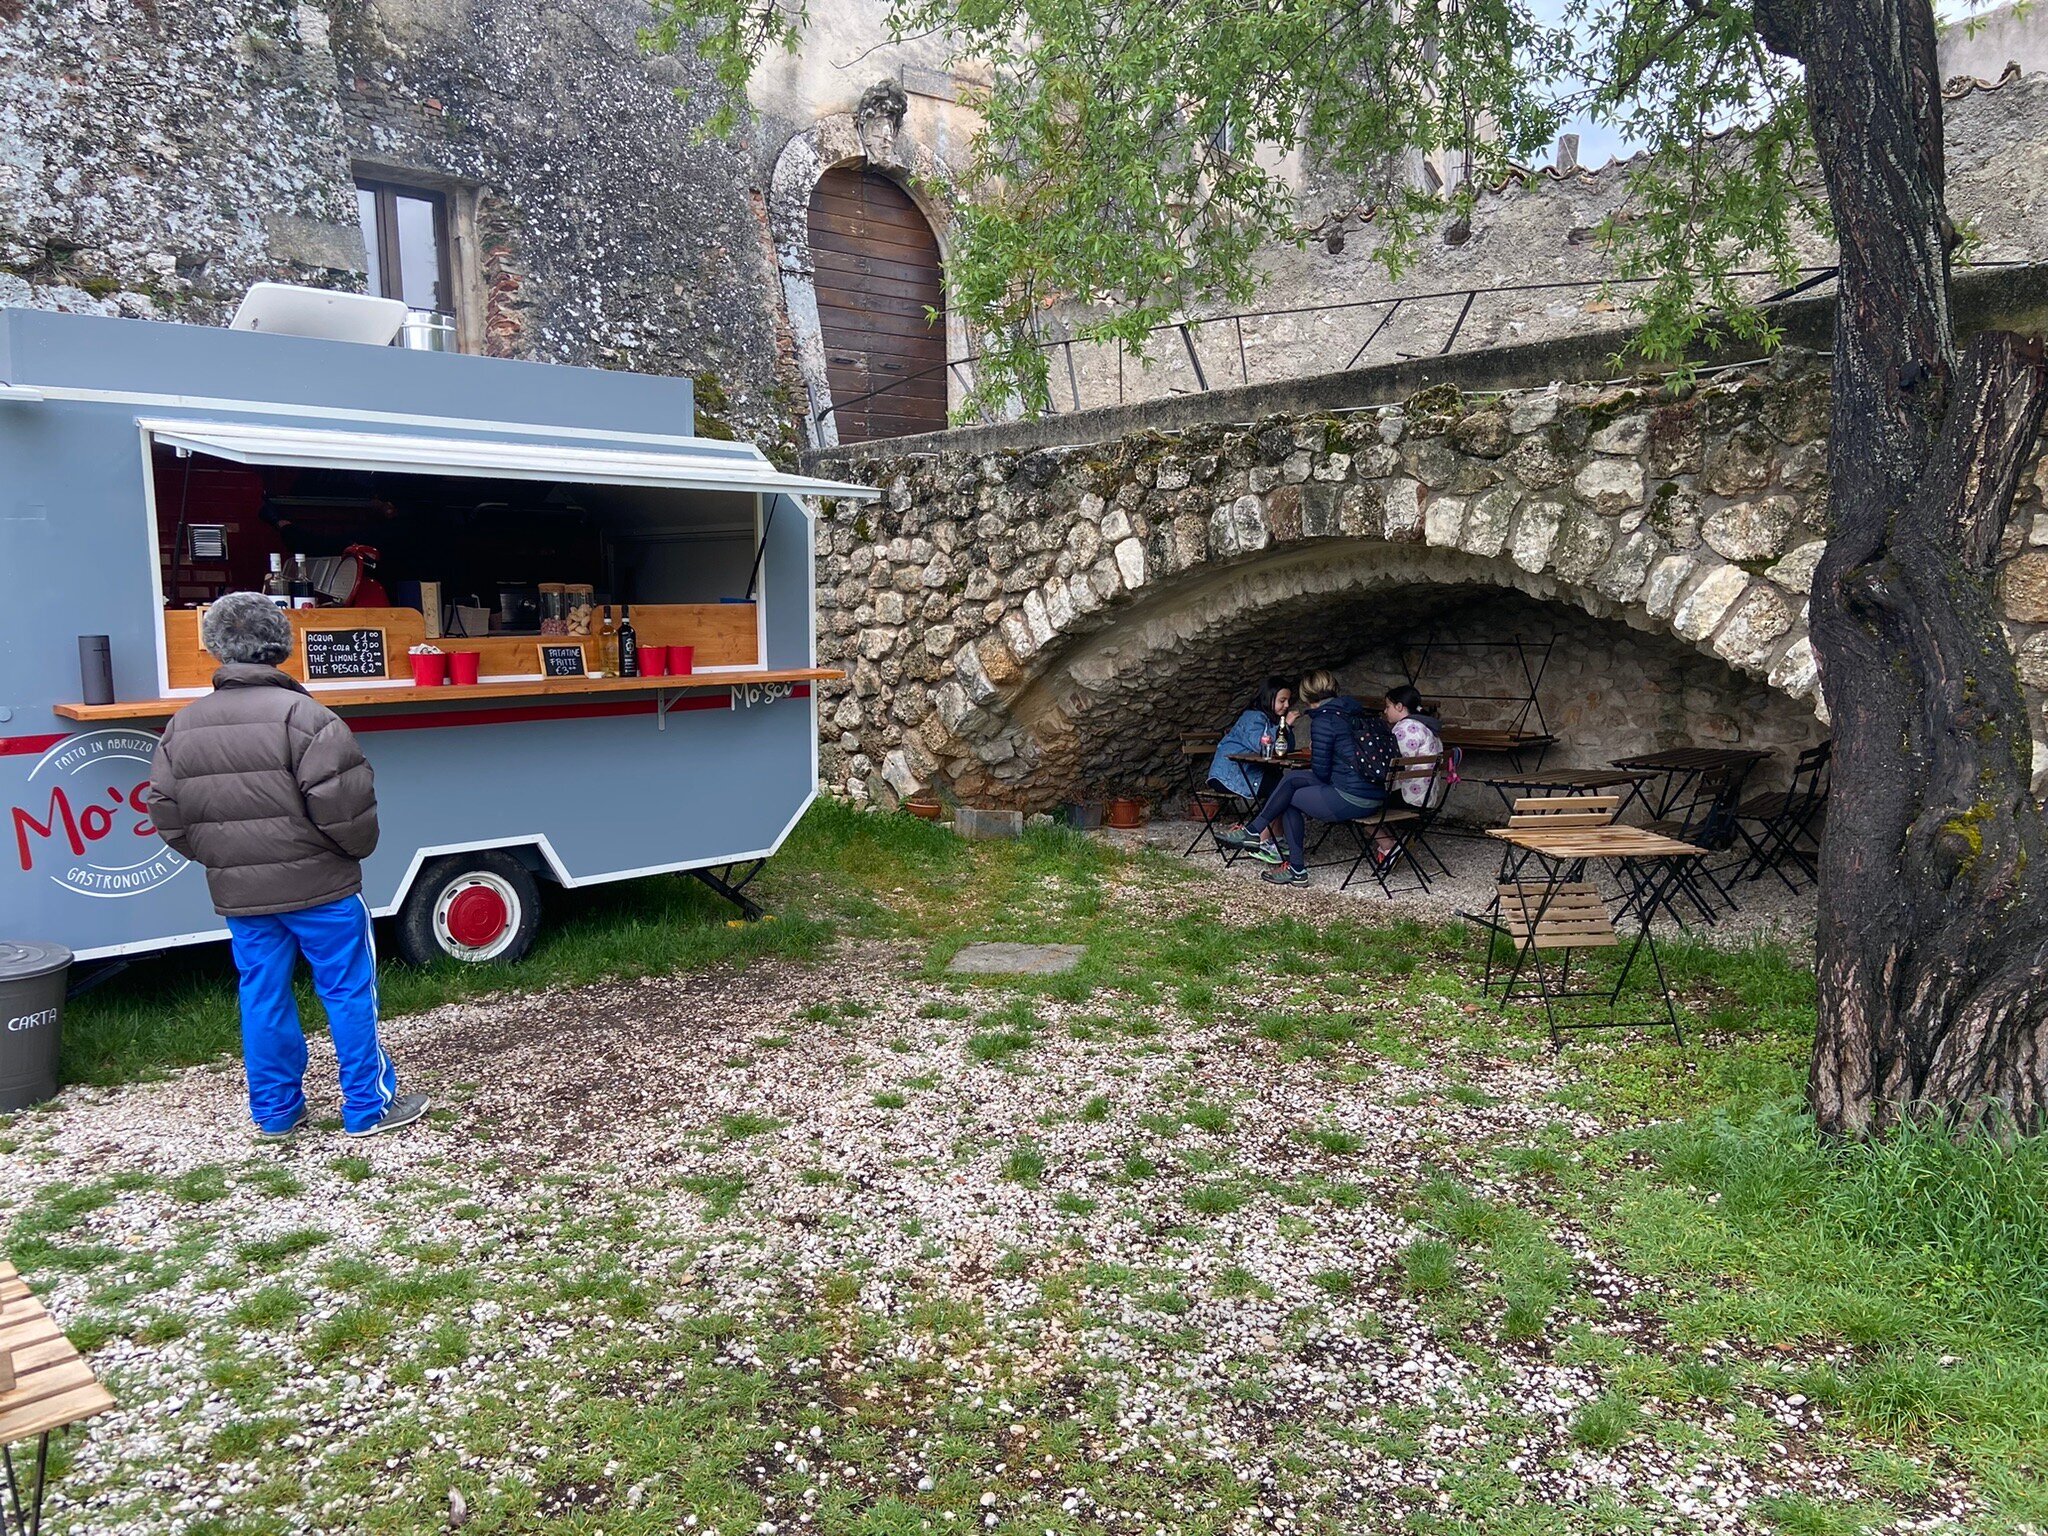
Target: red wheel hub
x=477, y=916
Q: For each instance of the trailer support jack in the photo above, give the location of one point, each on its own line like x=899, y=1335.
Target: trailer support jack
x=731, y=882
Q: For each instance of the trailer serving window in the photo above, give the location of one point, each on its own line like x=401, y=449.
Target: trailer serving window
x=492, y=544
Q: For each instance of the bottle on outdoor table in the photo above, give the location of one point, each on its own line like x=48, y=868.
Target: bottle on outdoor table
x=1283, y=740
x=1266, y=744
x=302, y=583
x=607, y=642
x=629, y=644
x=275, y=587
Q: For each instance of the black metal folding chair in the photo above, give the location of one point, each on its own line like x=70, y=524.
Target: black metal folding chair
x=1210, y=802
x=1706, y=821
x=1779, y=826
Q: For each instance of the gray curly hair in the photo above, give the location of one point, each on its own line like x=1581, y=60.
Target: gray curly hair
x=247, y=627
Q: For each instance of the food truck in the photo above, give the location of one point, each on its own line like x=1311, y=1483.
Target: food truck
x=429, y=514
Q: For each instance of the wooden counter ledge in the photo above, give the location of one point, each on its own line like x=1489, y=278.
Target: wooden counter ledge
x=407, y=695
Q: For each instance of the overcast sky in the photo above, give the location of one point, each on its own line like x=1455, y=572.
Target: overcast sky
x=1598, y=142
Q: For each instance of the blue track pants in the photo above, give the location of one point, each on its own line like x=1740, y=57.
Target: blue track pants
x=337, y=944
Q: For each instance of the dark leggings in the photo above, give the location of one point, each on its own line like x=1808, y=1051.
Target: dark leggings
x=1300, y=794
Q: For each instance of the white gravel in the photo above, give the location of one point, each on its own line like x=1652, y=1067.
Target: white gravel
x=1274, y=1337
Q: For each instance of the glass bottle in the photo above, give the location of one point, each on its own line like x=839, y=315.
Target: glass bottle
x=274, y=585
x=629, y=644
x=607, y=643
x=302, y=583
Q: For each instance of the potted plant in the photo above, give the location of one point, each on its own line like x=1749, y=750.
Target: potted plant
x=1125, y=813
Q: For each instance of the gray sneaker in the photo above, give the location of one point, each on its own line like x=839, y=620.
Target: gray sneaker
x=1285, y=874
x=398, y=1114
x=288, y=1132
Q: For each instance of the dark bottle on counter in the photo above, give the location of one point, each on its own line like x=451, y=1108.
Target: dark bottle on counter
x=629, y=644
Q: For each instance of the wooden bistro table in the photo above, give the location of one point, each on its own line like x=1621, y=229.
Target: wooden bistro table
x=52, y=1388
x=1563, y=911
x=1680, y=766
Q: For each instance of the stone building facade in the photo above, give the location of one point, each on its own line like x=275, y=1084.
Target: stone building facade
x=1026, y=627
x=159, y=156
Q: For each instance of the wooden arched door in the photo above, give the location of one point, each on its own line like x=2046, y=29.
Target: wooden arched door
x=877, y=266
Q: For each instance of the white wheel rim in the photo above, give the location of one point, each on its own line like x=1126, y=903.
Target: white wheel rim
x=481, y=881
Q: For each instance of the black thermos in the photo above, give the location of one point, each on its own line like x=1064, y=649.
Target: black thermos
x=96, y=669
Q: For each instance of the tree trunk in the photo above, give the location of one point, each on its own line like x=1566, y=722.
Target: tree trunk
x=1932, y=932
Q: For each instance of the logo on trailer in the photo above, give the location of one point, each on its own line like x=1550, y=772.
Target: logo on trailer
x=83, y=822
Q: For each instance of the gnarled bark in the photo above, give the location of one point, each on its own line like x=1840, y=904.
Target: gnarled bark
x=1933, y=940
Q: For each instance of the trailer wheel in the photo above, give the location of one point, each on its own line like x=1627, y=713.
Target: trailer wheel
x=471, y=906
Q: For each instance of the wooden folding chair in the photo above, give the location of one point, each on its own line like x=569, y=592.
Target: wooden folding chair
x=1406, y=825
x=1542, y=920
x=1554, y=813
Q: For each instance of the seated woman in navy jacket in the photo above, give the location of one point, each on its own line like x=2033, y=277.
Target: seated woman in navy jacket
x=1346, y=779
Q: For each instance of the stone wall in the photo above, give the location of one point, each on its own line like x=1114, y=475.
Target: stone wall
x=1027, y=627
x=1538, y=230
x=157, y=157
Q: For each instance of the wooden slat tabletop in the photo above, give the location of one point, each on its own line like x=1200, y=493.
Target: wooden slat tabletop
x=1610, y=842
x=1692, y=759
x=53, y=1386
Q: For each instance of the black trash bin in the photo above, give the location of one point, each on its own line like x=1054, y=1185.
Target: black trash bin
x=32, y=978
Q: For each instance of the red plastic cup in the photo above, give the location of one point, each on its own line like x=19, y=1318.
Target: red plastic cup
x=654, y=661
x=681, y=660
x=430, y=671
x=463, y=665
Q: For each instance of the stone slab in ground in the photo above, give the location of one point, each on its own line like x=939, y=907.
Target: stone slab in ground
x=970, y=821
x=1017, y=959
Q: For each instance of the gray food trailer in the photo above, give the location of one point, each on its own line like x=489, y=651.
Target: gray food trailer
x=145, y=468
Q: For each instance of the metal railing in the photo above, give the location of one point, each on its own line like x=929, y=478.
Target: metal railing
x=1184, y=330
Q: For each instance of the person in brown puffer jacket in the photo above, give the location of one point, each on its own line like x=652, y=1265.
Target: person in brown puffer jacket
x=267, y=790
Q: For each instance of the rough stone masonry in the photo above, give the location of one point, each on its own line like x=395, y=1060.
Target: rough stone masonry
x=1027, y=628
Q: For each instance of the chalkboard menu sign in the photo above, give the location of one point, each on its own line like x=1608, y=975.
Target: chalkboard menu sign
x=336, y=653
x=561, y=661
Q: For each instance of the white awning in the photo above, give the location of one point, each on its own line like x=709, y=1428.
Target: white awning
x=695, y=464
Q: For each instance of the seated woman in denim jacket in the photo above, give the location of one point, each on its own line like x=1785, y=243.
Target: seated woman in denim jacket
x=1271, y=708
x=1341, y=783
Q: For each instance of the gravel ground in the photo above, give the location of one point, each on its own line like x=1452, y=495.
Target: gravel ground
x=1115, y=1270
x=1766, y=908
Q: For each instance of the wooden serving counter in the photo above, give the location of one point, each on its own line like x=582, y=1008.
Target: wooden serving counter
x=343, y=697
x=723, y=634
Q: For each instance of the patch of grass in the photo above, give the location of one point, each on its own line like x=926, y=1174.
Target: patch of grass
x=1213, y=1118
x=1429, y=1264
x=201, y=1185
x=271, y=1307
x=1025, y=1165
x=720, y=1191
x=269, y=1251
x=1217, y=1199
x=890, y=1100
x=746, y=1123
x=1607, y=1422
x=353, y=1169
x=1334, y=1282
x=1095, y=1110
x=351, y=1331
x=1067, y=1203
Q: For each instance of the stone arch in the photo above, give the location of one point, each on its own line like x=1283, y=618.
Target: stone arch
x=1102, y=700
x=986, y=596
x=873, y=135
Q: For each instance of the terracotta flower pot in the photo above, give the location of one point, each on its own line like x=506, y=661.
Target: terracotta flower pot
x=1125, y=813
x=924, y=809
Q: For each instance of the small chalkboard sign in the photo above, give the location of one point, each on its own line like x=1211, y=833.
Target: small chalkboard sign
x=335, y=653
x=561, y=661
